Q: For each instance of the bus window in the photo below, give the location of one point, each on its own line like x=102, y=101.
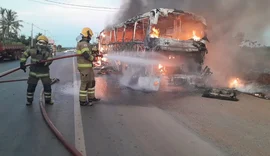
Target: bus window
x=119, y=34
x=129, y=32
x=112, y=36
x=191, y=28
x=141, y=29
x=181, y=27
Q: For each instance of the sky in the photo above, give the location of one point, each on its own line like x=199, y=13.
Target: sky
x=62, y=22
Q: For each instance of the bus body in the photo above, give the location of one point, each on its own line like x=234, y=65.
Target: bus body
x=174, y=37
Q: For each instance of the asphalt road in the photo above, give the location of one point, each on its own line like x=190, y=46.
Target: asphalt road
x=128, y=122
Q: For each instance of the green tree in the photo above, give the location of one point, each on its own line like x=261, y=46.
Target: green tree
x=59, y=47
x=13, y=25
x=35, y=38
x=24, y=40
x=9, y=23
x=2, y=22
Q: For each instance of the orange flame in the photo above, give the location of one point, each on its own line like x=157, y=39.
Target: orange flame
x=155, y=33
x=104, y=59
x=171, y=57
x=98, y=63
x=195, y=37
x=103, y=34
x=156, y=83
x=101, y=49
x=161, y=68
x=234, y=83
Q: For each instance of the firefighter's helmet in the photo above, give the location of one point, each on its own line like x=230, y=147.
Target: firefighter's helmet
x=42, y=38
x=87, y=32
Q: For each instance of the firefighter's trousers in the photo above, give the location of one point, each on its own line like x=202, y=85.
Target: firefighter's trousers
x=32, y=83
x=87, y=89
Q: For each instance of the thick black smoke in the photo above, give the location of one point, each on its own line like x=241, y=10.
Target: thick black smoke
x=225, y=18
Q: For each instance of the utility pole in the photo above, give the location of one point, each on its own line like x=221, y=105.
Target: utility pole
x=32, y=40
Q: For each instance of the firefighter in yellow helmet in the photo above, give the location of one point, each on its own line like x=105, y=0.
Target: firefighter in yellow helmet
x=39, y=70
x=85, y=67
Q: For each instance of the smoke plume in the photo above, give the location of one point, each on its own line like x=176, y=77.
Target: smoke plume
x=223, y=16
x=225, y=19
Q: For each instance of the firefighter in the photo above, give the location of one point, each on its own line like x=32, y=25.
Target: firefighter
x=39, y=70
x=85, y=67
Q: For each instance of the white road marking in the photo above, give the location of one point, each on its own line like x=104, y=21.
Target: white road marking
x=79, y=135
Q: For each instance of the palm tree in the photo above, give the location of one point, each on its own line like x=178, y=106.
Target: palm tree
x=13, y=25
x=2, y=21
x=9, y=24
x=2, y=11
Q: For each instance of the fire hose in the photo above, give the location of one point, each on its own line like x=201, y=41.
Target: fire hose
x=43, y=61
x=69, y=147
x=13, y=80
x=58, y=134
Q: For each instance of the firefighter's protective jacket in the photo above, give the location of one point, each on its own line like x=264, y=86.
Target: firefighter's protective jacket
x=38, y=54
x=86, y=59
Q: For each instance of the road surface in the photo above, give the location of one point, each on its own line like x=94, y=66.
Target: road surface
x=128, y=122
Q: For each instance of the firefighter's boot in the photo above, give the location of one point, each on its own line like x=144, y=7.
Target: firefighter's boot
x=28, y=103
x=49, y=102
x=93, y=99
x=85, y=103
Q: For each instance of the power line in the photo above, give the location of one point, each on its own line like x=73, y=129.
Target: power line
x=26, y=22
x=36, y=26
x=72, y=6
x=45, y=3
x=45, y=31
x=85, y=6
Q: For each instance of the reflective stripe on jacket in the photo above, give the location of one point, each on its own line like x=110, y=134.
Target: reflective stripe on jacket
x=83, y=47
x=37, y=55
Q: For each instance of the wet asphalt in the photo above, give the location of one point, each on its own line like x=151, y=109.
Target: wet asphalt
x=129, y=122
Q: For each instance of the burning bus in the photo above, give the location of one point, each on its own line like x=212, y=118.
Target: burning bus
x=175, y=37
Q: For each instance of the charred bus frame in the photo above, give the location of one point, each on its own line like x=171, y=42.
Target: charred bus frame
x=139, y=34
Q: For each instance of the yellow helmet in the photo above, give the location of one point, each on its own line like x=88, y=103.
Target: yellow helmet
x=87, y=32
x=42, y=37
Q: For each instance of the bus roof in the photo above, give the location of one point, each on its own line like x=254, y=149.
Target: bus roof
x=154, y=14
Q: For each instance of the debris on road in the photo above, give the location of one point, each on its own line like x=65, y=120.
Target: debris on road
x=106, y=70
x=221, y=93
x=260, y=95
x=54, y=80
x=252, y=87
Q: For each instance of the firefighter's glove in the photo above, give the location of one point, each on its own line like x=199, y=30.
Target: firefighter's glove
x=40, y=63
x=23, y=67
x=46, y=64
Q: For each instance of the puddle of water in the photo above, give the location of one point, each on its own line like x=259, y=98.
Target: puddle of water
x=68, y=89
